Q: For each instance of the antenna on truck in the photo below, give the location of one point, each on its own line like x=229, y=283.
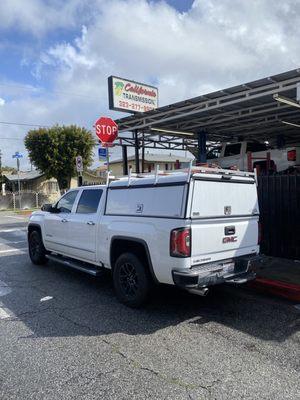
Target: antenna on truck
x=129, y=176
x=107, y=177
x=156, y=174
x=189, y=171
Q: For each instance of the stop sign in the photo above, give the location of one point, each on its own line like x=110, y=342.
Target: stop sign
x=106, y=129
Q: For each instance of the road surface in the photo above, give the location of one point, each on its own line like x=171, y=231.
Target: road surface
x=63, y=335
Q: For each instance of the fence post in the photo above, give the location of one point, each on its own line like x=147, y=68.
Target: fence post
x=249, y=161
x=37, y=200
x=14, y=201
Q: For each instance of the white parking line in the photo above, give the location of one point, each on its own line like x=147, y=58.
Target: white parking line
x=3, y=314
x=12, y=230
x=14, y=217
x=13, y=250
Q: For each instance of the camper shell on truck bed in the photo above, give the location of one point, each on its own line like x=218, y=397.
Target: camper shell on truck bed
x=191, y=228
x=219, y=207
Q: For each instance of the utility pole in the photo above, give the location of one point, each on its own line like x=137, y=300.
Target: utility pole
x=1, y=166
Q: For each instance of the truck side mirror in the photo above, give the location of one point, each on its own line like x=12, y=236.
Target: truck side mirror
x=48, y=207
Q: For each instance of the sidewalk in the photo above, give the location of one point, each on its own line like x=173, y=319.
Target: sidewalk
x=280, y=277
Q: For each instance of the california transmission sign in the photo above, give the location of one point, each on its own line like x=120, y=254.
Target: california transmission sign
x=131, y=96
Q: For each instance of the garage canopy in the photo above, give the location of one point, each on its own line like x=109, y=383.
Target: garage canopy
x=260, y=110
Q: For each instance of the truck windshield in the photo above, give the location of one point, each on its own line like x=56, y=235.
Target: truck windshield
x=232, y=149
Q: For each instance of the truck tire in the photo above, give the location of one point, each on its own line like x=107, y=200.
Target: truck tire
x=132, y=280
x=37, y=251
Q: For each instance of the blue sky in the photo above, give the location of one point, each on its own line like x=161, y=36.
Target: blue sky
x=56, y=55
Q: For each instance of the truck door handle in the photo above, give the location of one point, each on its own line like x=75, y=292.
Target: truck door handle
x=91, y=223
x=64, y=220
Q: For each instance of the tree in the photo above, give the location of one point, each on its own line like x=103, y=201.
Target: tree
x=53, y=151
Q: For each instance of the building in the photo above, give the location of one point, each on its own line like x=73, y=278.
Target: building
x=166, y=162
x=31, y=181
x=36, y=181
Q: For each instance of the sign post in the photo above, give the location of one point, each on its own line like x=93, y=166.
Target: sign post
x=79, y=168
x=18, y=155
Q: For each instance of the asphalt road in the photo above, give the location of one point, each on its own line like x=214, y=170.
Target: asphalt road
x=63, y=335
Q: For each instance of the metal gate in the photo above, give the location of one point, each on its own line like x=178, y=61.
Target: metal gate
x=279, y=201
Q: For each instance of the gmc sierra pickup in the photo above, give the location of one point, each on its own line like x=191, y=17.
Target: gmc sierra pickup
x=193, y=229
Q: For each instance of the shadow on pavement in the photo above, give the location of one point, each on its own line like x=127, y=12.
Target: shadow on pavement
x=74, y=304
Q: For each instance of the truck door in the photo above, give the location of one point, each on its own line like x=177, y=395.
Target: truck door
x=83, y=224
x=56, y=226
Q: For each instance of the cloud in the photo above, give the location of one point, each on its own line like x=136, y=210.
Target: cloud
x=215, y=44
x=2, y=102
x=38, y=17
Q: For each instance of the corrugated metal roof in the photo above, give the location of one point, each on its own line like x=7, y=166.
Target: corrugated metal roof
x=248, y=110
x=24, y=176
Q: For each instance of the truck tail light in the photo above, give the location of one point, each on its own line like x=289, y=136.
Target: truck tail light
x=291, y=155
x=180, y=242
x=259, y=237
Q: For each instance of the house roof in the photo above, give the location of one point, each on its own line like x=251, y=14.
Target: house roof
x=156, y=158
x=24, y=176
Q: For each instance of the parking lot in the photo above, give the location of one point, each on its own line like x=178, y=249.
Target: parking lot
x=63, y=335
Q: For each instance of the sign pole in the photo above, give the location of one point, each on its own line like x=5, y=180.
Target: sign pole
x=17, y=155
x=19, y=184
x=107, y=158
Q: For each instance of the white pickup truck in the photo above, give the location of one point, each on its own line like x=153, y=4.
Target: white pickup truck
x=192, y=229
x=228, y=155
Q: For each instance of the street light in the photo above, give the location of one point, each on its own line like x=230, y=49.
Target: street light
x=290, y=123
x=171, y=131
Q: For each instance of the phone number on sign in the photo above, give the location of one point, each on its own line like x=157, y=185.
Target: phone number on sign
x=135, y=107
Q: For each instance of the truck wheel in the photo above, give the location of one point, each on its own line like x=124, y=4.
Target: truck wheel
x=131, y=280
x=37, y=251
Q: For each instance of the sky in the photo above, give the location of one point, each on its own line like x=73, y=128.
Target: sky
x=56, y=55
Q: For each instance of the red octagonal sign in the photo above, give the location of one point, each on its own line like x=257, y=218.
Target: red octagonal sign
x=106, y=129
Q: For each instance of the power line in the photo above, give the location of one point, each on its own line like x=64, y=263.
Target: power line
x=43, y=90
x=23, y=124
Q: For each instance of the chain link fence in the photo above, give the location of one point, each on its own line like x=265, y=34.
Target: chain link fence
x=25, y=201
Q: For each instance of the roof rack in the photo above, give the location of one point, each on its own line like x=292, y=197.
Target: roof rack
x=186, y=173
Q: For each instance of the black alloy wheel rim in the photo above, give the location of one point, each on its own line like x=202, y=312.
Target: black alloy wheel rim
x=128, y=279
x=34, y=246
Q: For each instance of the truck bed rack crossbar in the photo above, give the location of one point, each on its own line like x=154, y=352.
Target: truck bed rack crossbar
x=187, y=173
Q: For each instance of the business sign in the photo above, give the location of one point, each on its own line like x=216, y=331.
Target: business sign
x=131, y=96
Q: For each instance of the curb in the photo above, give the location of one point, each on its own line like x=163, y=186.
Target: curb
x=289, y=291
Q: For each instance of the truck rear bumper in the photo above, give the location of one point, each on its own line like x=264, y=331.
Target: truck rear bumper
x=238, y=270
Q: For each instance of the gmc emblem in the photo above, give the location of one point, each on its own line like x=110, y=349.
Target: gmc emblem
x=229, y=239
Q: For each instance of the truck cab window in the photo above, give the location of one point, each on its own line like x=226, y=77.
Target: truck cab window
x=214, y=153
x=253, y=147
x=65, y=204
x=89, y=201
x=232, y=149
